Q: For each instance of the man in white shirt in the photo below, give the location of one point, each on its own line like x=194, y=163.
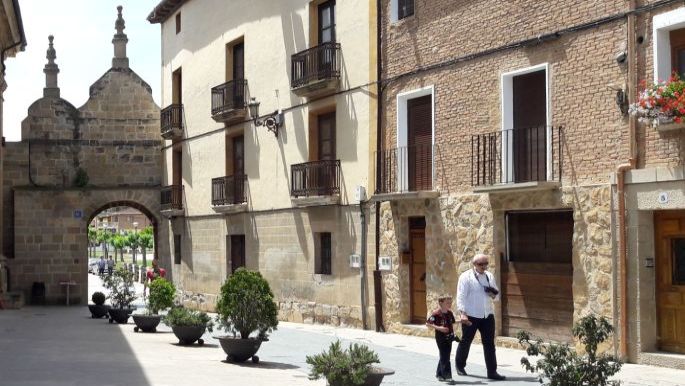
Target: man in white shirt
x=475, y=291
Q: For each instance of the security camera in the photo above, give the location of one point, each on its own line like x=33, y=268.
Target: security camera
x=621, y=57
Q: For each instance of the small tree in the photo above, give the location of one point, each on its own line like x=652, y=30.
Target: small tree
x=133, y=241
x=162, y=293
x=343, y=367
x=246, y=304
x=146, y=242
x=92, y=239
x=118, y=244
x=120, y=285
x=562, y=366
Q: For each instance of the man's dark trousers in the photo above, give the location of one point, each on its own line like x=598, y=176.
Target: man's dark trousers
x=486, y=327
x=445, y=347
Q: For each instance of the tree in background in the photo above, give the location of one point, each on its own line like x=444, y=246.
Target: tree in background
x=118, y=243
x=103, y=237
x=92, y=239
x=146, y=242
x=133, y=241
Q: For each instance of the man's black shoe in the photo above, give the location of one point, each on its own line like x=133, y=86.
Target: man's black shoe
x=496, y=377
x=461, y=371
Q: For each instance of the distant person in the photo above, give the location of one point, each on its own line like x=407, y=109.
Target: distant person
x=110, y=266
x=153, y=273
x=442, y=321
x=102, y=264
x=476, y=289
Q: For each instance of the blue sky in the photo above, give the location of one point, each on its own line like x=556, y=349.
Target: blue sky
x=83, y=31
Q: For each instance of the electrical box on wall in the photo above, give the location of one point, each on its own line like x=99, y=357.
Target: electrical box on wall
x=385, y=263
x=355, y=261
x=360, y=193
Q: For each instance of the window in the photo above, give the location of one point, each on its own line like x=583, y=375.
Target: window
x=326, y=25
x=540, y=237
x=526, y=125
x=405, y=8
x=177, y=249
x=178, y=22
x=415, y=127
x=669, y=43
x=324, y=253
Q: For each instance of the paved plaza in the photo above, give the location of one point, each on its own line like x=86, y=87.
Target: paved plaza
x=63, y=346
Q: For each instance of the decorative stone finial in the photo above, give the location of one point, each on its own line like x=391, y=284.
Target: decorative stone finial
x=120, y=39
x=51, y=70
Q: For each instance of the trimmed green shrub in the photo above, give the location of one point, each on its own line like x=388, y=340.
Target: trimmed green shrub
x=183, y=317
x=246, y=304
x=98, y=298
x=561, y=365
x=120, y=286
x=162, y=294
x=343, y=367
x=81, y=179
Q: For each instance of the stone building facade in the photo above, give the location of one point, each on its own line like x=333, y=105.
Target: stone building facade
x=273, y=190
x=73, y=163
x=12, y=41
x=488, y=75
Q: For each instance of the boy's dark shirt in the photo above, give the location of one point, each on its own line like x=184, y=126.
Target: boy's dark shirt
x=438, y=318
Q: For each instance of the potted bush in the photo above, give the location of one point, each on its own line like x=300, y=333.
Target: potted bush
x=188, y=325
x=246, y=305
x=562, y=365
x=349, y=367
x=162, y=293
x=98, y=309
x=121, y=294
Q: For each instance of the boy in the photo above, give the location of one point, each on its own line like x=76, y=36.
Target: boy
x=442, y=321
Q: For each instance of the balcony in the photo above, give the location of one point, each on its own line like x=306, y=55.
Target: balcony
x=172, y=201
x=405, y=173
x=171, y=121
x=229, y=194
x=315, y=183
x=229, y=101
x=517, y=159
x=316, y=71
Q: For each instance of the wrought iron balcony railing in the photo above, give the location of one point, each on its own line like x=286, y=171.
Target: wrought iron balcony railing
x=317, y=178
x=517, y=155
x=229, y=96
x=405, y=169
x=317, y=63
x=171, y=121
x=230, y=190
x=172, y=197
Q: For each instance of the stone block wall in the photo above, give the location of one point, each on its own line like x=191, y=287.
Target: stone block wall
x=280, y=245
x=459, y=226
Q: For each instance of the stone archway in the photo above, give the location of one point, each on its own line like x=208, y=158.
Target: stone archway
x=73, y=162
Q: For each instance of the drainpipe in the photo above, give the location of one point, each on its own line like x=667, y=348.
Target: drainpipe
x=377, y=277
x=362, y=265
x=620, y=190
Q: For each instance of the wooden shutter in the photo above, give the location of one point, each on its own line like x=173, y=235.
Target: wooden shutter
x=420, y=139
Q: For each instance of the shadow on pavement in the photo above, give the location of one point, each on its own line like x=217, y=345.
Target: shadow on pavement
x=58, y=346
x=195, y=345
x=266, y=365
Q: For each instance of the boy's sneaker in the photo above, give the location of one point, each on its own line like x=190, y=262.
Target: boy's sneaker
x=441, y=379
x=448, y=379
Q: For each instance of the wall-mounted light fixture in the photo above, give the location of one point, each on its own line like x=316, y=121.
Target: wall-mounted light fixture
x=271, y=121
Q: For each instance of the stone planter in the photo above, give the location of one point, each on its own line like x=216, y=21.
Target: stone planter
x=146, y=323
x=239, y=350
x=97, y=311
x=374, y=378
x=189, y=334
x=119, y=315
x=669, y=126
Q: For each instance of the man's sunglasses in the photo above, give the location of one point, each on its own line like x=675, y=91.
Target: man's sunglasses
x=482, y=264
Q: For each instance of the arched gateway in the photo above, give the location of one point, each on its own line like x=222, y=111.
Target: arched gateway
x=73, y=163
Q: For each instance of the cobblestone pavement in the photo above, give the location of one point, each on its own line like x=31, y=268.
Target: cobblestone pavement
x=63, y=346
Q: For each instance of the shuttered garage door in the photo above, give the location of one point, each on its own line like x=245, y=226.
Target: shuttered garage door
x=537, y=275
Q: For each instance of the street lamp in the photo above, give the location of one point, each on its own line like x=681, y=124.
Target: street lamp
x=271, y=121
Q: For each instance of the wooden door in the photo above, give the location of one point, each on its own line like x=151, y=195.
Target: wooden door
x=237, y=243
x=177, y=87
x=237, y=191
x=417, y=273
x=326, y=34
x=530, y=131
x=537, y=276
x=419, y=155
x=177, y=166
x=238, y=74
x=670, y=279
